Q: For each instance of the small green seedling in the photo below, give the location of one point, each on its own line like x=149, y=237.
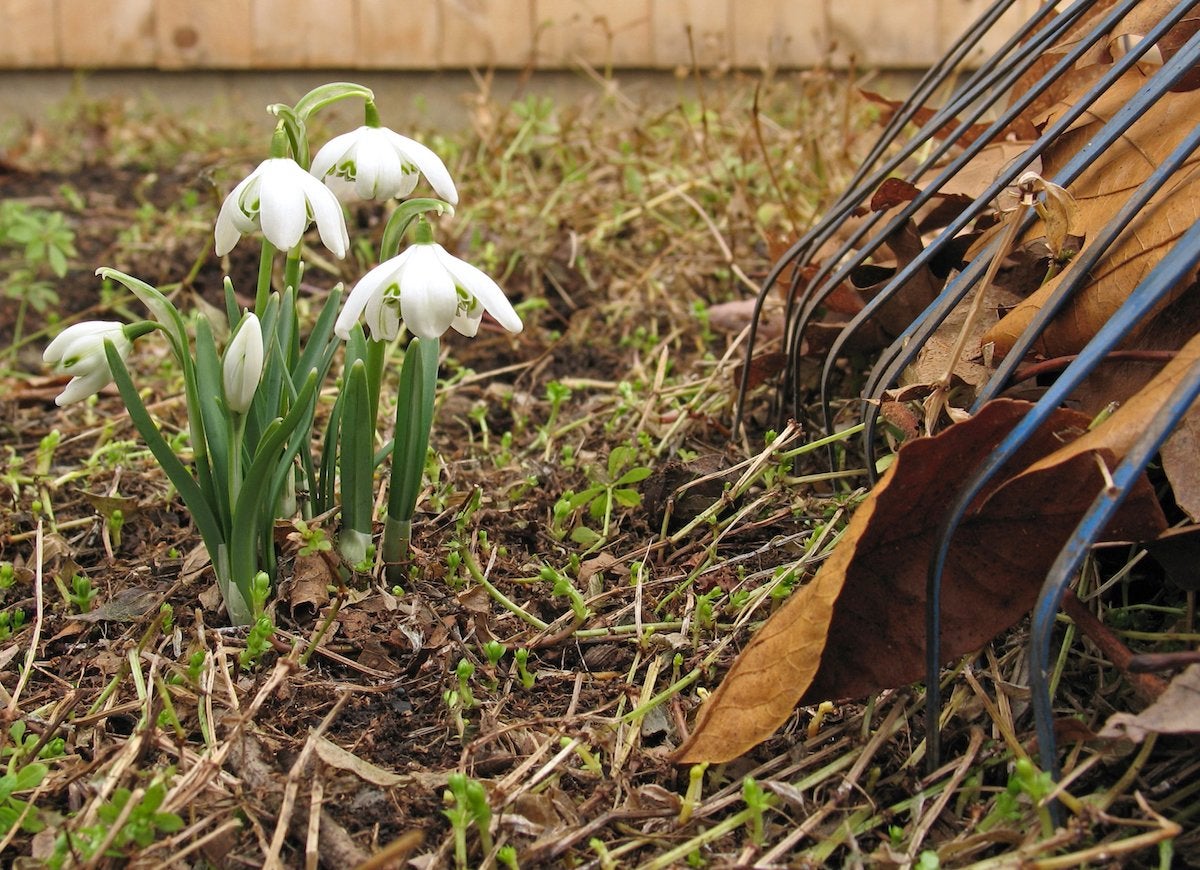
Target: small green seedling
x=609, y=489
x=258, y=641
x=14, y=811
x=81, y=594
x=521, y=659
x=467, y=803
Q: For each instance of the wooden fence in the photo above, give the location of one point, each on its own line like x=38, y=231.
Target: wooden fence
x=446, y=34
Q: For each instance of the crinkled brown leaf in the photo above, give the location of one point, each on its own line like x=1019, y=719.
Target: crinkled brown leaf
x=1099, y=193
x=859, y=625
x=1176, y=712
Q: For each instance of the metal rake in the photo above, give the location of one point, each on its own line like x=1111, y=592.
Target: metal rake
x=929, y=157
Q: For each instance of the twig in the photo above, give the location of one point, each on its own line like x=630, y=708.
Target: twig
x=293, y=782
x=31, y=653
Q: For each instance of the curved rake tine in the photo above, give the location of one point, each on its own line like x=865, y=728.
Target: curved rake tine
x=1086, y=261
x=902, y=352
x=1072, y=555
x=972, y=98
x=1003, y=180
x=936, y=75
x=1172, y=269
x=973, y=103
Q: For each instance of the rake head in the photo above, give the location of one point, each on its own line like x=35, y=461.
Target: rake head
x=1087, y=108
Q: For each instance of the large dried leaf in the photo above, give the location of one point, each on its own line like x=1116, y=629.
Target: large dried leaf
x=859, y=625
x=1100, y=192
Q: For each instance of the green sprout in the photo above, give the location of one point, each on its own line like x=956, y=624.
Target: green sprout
x=11, y=623
x=257, y=642
x=467, y=803
x=521, y=658
x=564, y=588
x=464, y=672
x=81, y=595
x=494, y=650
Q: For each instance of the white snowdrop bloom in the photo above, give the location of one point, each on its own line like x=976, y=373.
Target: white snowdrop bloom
x=431, y=290
x=378, y=163
x=281, y=199
x=242, y=366
x=79, y=351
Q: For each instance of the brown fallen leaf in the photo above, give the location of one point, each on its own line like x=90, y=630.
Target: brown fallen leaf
x=1176, y=712
x=1099, y=193
x=1118, y=433
x=1179, y=463
x=858, y=626
x=128, y=605
x=307, y=590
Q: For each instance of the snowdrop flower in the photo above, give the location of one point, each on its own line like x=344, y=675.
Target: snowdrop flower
x=79, y=350
x=377, y=163
x=431, y=290
x=281, y=199
x=242, y=367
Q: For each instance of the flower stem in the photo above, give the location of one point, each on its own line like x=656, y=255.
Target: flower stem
x=414, y=419
x=292, y=270
x=265, y=262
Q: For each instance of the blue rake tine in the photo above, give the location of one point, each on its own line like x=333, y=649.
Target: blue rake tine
x=1076, y=549
x=996, y=82
x=1069, y=172
x=864, y=183
x=1172, y=269
x=1081, y=160
x=903, y=349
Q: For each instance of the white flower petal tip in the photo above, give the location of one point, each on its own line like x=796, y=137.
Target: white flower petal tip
x=431, y=290
x=378, y=163
x=79, y=351
x=241, y=370
x=281, y=199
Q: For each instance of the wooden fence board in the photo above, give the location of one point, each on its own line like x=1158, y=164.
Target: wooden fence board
x=486, y=32
x=768, y=34
x=391, y=38
x=600, y=33
x=123, y=36
x=304, y=33
x=446, y=34
x=884, y=33
x=211, y=34
x=31, y=34
x=689, y=32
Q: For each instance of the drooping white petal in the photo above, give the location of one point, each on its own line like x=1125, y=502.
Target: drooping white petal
x=368, y=285
x=483, y=288
x=82, y=386
x=76, y=337
x=283, y=211
x=280, y=198
x=428, y=300
x=332, y=153
x=408, y=183
x=230, y=220
x=327, y=211
x=79, y=350
x=382, y=314
x=428, y=162
x=467, y=322
x=378, y=167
